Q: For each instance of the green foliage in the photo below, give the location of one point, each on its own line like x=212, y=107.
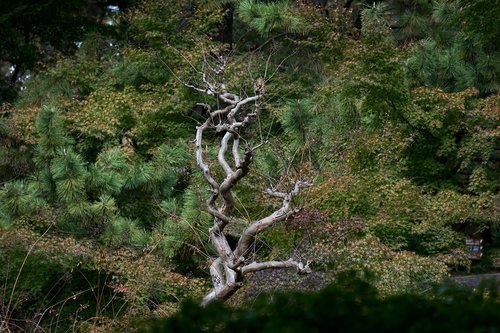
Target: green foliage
x=123, y=231
x=373, y=74
x=350, y=245
x=72, y=78
x=114, y=199
x=34, y=35
x=457, y=52
x=19, y=198
x=281, y=241
x=186, y=222
x=411, y=20
x=52, y=138
x=329, y=32
x=401, y=214
x=32, y=285
x=392, y=109
x=350, y=305
x=392, y=273
x=296, y=122
x=15, y=158
x=66, y=281
x=478, y=18
x=266, y=17
x=453, y=140
x=140, y=67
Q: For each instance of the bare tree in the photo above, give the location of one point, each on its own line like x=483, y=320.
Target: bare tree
x=228, y=270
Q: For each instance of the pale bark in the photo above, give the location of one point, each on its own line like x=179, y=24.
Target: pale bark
x=230, y=267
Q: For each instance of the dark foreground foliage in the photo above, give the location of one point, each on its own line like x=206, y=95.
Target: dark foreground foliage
x=349, y=305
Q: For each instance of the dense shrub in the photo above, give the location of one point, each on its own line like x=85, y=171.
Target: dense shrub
x=347, y=306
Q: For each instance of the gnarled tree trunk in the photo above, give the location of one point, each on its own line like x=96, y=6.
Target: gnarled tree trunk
x=228, y=270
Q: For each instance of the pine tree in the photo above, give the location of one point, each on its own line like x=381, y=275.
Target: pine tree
x=454, y=56
x=265, y=17
x=118, y=200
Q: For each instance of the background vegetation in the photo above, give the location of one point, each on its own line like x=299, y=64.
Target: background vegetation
x=346, y=306
x=390, y=107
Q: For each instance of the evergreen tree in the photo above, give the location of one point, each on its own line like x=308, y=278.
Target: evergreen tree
x=454, y=56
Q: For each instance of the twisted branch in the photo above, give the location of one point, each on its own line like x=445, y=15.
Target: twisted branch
x=228, y=269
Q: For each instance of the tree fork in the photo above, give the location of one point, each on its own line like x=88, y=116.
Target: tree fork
x=228, y=270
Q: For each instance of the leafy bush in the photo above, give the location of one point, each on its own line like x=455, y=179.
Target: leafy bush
x=347, y=306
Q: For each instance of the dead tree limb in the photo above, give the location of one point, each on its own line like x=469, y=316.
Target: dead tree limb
x=230, y=267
